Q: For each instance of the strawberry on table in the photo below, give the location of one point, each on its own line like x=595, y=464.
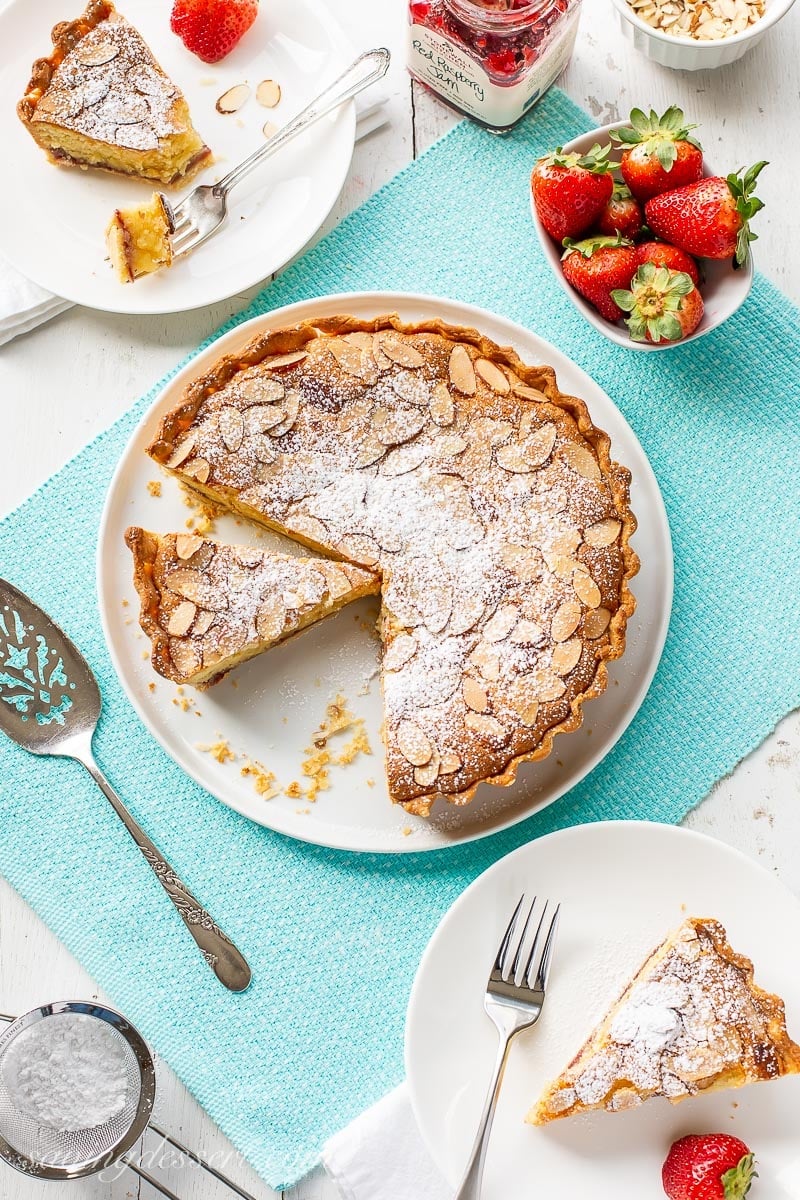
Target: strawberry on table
x=663, y=305
x=659, y=152
x=596, y=267
x=571, y=190
x=664, y=255
x=710, y=218
x=710, y=1166
x=622, y=214
x=211, y=28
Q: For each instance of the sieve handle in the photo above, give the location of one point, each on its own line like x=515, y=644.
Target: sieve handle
x=217, y=949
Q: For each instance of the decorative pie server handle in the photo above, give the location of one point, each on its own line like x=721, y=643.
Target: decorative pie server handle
x=217, y=949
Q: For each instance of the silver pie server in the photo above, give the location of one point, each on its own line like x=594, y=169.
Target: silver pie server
x=50, y=704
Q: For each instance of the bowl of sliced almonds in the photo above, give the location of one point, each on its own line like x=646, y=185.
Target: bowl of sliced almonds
x=697, y=35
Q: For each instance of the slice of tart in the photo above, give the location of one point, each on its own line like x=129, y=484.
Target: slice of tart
x=139, y=239
x=692, y=1020
x=208, y=607
x=100, y=99
x=484, y=497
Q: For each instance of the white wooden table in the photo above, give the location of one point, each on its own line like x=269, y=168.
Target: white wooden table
x=63, y=383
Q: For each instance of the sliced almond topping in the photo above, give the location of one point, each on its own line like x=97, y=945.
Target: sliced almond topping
x=382, y=360
x=413, y=743
x=492, y=375
x=362, y=549
x=96, y=52
x=361, y=339
x=548, y=686
x=232, y=100
x=337, y=580
x=462, y=372
x=602, y=533
x=402, y=460
x=411, y=387
x=475, y=695
x=524, y=561
x=204, y=622
x=394, y=426
x=586, y=589
x=231, y=427
x=263, y=449
x=596, y=623
x=400, y=350
x=441, y=405
x=526, y=633
x=187, y=544
x=353, y=412
x=261, y=389
x=353, y=360
x=291, y=407
x=181, y=618
x=522, y=699
x=194, y=586
x=512, y=457
x=565, y=621
x=370, y=450
x=268, y=93
x=579, y=458
x=400, y=651
x=284, y=360
x=182, y=450
x=270, y=620
x=261, y=417
x=540, y=444
x=448, y=445
x=487, y=661
x=426, y=776
x=529, y=393
x=450, y=763
x=248, y=556
x=488, y=727
x=198, y=469
x=500, y=625
x=436, y=604
x=225, y=642
x=186, y=657
x=566, y=656
x=467, y=611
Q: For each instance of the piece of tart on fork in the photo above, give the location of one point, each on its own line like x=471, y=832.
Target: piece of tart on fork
x=139, y=239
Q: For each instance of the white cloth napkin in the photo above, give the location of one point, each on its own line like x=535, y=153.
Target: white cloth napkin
x=24, y=305
x=381, y=1156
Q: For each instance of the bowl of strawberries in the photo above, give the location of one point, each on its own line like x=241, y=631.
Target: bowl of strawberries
x=650, y=244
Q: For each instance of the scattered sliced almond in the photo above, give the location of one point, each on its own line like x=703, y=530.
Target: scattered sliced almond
x=268, y=93
x=198, y=468
x=530, y=454
x=524, y=561
x=579, y=458
x=181, y=618
x=522, y=700
x=402, y=460
x=586, y=589
x=548, y=686
x=450, y=762
x=182, y=450
x=602, y=533
x=500, y=625
x=566, y=656
x=394, y=426
x=462, y=372
x=565, y=620
x=291, y=408
x=186, y=657
x=231, y=427
x=441, y=405
x=195, y=586
x=487, y=660
x=370, y=451
x=336, y=579
x=526, y=633
x=595, y=623
x=96, y=51
x=467, y=611
x=529, y=393
x=488, y=727
x=400, y=651
x=436, y=604
x=280, y=361
x=475, y=695
x=382, y=360
x=414, y=743
x=270, y=620
x=204, y=621
x=491, y=374
x=426, y=776
x=309, y=527
x=269, y=129
x=261, y=417
x=262, y=448
x=187, y=544
x=400, y=350
x=232, y=100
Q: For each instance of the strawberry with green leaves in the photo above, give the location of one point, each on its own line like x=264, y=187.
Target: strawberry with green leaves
x=709, y=1166
x=571, y=190
x=710, y=218
x=622, y=214
x=211, y=28
x=596, y=267
x=660, y=154
x=662, y=305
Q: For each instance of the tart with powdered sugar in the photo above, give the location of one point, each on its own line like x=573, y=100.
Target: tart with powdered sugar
x=485, y=499
x=208, y=607
x=692, y=1020
x=100, y=99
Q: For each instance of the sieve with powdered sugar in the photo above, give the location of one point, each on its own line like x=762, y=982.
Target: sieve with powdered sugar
x=77, y=1088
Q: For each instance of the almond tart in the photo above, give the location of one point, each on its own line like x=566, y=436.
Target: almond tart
x=484, y=497
x=100, y=99
x=207, y=607
x=692, y=1020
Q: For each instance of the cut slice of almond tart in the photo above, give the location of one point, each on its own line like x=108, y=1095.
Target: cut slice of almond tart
x=208, y=607
x=692, y=1020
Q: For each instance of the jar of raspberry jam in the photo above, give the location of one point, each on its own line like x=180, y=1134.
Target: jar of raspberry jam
x=492, y=59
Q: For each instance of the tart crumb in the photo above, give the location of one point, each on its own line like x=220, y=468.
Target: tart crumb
x=154, y=487
x=151, y=687
x=220, y=750
x=264, y=781
x=406, y=831
x=125, y=603
x=294, y=791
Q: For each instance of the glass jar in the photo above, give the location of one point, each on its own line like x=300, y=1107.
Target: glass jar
x=492, y=59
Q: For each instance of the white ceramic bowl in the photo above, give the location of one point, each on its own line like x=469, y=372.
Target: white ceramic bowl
x=688, y=54
x=723, y=289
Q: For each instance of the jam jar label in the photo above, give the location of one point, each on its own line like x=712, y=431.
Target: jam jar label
x=445, y=67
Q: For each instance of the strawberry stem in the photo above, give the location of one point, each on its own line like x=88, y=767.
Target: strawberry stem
x=747, y=205
x=736, y=1182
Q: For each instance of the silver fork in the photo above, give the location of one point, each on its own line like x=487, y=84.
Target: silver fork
x=202, y=212
x=513, y=1006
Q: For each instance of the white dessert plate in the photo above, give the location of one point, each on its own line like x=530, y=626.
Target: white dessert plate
x=723, y=289
x=52, y=220
x=623, y=886
x=269, y=709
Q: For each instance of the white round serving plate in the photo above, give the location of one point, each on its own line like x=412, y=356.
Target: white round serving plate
x=53, y=219
x=269, y=708
x=623, y=887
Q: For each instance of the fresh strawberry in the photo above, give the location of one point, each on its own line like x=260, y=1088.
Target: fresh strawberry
x=659, y=154
x=709, y=1166
x=623, y=214
x=571, y=190
x=664, y=255
x=710, y=218
x=211, y=28
x=596, y=267
x=664, y=305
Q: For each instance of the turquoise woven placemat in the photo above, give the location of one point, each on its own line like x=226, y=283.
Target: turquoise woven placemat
x=302, y=1052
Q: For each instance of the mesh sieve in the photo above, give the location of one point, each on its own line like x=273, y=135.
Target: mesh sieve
x=36, y=1148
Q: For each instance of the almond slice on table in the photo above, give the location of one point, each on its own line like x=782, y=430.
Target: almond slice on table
x=268, y=93
x=232, y=100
